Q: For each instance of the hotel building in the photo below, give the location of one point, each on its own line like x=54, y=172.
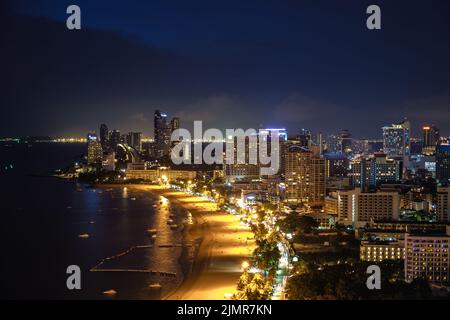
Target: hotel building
x=443, y=204
x=358, y=208
x=428, y=256
x=304, y=176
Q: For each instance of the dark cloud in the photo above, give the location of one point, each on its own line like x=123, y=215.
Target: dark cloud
x=231, y=64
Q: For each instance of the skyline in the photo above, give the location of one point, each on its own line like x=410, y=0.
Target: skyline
x=295, y=65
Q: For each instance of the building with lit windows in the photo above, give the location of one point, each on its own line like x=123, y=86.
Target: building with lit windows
x=368, y=171
x=443, y=164
x=443, y=204
x=336, y=165
x=345, y=139
x=94, y=149
x=304, y=176
x=162, y=134
x=104, y=136
x=114, y=139
x=396, y=139
x=377, y=251
x=161, y=174
x=359, y=208
x=430, y=139
x=428, y=256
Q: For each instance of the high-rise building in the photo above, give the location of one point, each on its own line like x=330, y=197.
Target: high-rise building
x=174, y=124
x=396, y=140
x=443, y=164
x=428, y=256
x=368, y=171
x=304, y=138
x=114, y=139
x=94, y=149
x=333, y=144
x=345, y=139
x=304, y=176
x=162, y=134
x=430, y=139
x=272, y=149
x=443, y=204
x=360, y=146
x=359, y=208
x=104, y=137
x=134, y=140
x=336, y=165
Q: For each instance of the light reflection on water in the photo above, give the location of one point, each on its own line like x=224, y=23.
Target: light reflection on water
x=129, y=222
x=43, y=217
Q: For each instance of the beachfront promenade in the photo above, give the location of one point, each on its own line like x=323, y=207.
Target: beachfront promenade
x=225, y=244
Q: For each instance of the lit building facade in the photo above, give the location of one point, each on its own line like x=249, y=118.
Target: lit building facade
x=94, y=150
x=305, y=176
x=377, y=251
x=369, y=171
x=428, y=256
x=443, y=204
x=430, y=139
x=161, y=174
x=359, y=208
x=114, y=139
x=396, y=139
x=162, y=134
x=104, y=136
x=443, y=164
x=336, y=165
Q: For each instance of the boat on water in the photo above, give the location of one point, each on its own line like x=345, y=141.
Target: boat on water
x=173, y=226
x=155, y=206
x=152, y=231
x=155, y=286
x=83, y=236
x=110, y=292
x=170, y=221
x=134, y=199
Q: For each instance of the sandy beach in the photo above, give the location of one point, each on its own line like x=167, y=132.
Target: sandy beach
x=224, y=245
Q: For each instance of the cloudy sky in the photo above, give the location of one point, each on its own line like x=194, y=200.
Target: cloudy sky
x=294, y=64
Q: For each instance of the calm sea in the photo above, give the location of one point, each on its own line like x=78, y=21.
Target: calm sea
x=42, y=218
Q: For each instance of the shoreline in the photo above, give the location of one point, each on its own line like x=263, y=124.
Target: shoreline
x=222, y=244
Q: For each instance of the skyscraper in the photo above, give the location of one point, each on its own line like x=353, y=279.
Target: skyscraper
x=94, y=149
x=443, y=164
x=134, y=140
x=305, y=176
x=114, y=139
x=345, y=139
x=304, y=138
x=443, y=204
x=104, y=136
x=430, y=139
x=368, y=171
x=162, y=134
x=396, y=139
x=333, y=144
x=174, y=124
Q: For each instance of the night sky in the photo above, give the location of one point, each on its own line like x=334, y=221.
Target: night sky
x=294, y=64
